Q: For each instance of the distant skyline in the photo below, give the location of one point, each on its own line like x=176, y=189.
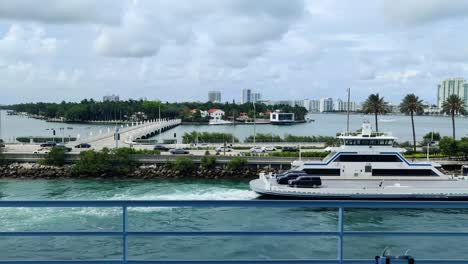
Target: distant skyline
x=178, y=50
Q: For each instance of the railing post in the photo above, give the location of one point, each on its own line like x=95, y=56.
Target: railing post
x=124, y=235
x=340, y=237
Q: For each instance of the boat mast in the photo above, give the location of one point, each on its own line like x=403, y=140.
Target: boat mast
x=347, y=119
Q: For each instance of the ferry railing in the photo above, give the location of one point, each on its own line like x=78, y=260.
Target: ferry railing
x=340, y=233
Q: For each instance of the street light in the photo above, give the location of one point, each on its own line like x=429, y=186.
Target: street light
x=255, y=123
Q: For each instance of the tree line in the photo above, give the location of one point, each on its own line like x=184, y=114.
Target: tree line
x=90, y=110
x=412, y=105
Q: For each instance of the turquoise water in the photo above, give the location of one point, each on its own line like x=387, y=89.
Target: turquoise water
x=189, y=219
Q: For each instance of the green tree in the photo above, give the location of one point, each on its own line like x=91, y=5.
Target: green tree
x=453, y=105
x=462, y=146
x=236, y=164
x=56, y=157
x=208, y=162
x=96, y=163
x=435, y=136
x=448, y=146
x=411, y=105
x=184, y=165
x=376, y=105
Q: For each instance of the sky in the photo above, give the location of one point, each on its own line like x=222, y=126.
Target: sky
x=178, y=50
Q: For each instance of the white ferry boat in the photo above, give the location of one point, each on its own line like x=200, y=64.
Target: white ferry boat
x=365, y=166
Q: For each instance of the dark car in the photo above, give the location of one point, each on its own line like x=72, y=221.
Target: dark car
x=289, y=172
x=83, y=145
x=179, y=151
x=48, y=144
x=306, y=182
x=2, y=145
x=290, y=149
x=290, y=176
x=161, y=148
x=61, y=146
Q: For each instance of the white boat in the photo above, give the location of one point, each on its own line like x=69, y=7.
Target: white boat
x=365, y=166
x=219, y=122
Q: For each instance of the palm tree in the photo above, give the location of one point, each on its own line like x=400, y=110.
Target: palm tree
x=453, y=105
x=412, y=105
x=376, y=105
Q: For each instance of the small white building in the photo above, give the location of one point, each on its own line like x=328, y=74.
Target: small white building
x=216, y=114
x=279, y=118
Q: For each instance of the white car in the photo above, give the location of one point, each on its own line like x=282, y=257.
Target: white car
x=222, y=149
x=42, y=151
x=269, y=148
x=257, y=150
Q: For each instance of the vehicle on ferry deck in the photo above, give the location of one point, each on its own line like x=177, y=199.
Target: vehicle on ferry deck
x=306, y=182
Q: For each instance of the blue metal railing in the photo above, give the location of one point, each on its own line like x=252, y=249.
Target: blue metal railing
x=340, y=233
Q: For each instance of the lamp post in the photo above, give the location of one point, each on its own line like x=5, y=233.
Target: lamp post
x=255, y=123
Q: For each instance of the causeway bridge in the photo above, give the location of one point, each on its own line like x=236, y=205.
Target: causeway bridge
x=126, y=134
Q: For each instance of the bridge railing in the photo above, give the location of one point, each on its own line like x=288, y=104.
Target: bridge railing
x=340, y=233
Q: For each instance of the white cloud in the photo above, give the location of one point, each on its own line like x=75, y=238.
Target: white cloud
x=398, y=76
x=236, y=31
x=59, y=11
x=26, y=42
x=414, y=12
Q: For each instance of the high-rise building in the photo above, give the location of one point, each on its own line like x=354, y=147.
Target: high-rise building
x=314, y=106
x=246, y=96
x=342, y=106
x=214, y=96
x=255, y=97
x=326, y=105
x=457, y=86
x=465, y=93
x=110, y=98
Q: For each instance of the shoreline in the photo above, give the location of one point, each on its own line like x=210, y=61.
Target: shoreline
x=32, y=171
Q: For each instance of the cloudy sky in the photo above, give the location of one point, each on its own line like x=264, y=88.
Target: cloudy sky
x=177, y=50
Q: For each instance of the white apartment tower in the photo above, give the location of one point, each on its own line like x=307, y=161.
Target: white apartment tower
x=326, y=105
x=214, y=96
x=457, y=86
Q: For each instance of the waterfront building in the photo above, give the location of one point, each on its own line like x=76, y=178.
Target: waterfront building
x=306, y=104
x=279, y=118
x=214, y=96
x=450, y=86
x=393, y=108
x=110, y=98
x=326, y=105
x=314, y=106
x=216, y=114
x=246, y=96
x=342, y=106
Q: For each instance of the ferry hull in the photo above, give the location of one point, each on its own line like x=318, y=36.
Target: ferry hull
x=450, y=192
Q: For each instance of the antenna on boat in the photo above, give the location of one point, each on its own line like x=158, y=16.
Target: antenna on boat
x=347, y=114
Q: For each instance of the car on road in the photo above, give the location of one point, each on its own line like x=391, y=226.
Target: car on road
x=41, y=151
x=161, y=148
x=222, y=149
x=83, y=145
x=62, y=146
x=269, y=149
x=179, y=151
x=48, y=144
x=257, y=150
x=290, y=149
x=2, y=145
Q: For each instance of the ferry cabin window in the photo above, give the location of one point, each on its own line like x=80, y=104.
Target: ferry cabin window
x=367, y=158
x=369, y=142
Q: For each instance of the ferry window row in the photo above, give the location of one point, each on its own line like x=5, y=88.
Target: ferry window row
x=367, y=158
x=369, y=142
